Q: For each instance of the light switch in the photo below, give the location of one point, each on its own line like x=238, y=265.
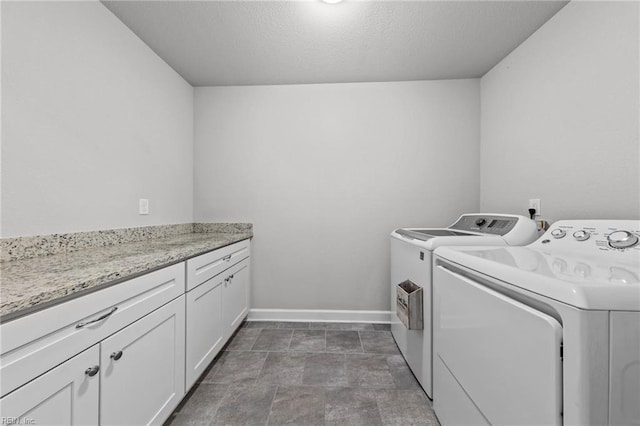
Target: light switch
x=143, y=206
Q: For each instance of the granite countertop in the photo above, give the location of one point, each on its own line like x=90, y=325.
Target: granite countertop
x=31, y=284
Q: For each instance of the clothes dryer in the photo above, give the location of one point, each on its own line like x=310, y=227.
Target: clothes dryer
x=543, y=334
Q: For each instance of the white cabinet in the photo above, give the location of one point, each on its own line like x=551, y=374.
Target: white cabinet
x=215, y=307
x=142, y=368
x=205, y=333
x=235, y=297
x=66, y=395
x=136, y=369
x=47, y=350
x=36, y=343
x=134, y=377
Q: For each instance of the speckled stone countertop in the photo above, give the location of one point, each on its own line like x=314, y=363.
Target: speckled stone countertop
x=34, y=283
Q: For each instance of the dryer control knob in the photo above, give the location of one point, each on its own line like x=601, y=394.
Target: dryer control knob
x=480, y=221
x=581, y=235
x=622, y=239
x=558, y=233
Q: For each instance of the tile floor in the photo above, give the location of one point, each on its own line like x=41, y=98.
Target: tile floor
x=277, y=373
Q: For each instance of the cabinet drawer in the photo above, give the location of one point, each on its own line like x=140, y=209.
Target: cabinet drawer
x=208, y=265
x=34, y=344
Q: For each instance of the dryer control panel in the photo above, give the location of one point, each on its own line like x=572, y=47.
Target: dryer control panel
x=585, y=236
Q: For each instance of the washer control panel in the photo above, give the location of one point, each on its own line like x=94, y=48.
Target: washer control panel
x=486, y=223
x=592, y=235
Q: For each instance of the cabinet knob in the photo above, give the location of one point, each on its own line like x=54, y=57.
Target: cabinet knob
x=92, y=371
x=116, y=355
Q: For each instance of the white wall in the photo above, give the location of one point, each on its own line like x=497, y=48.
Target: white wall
x=326, y=172
x=560, y=117
x=92, y=120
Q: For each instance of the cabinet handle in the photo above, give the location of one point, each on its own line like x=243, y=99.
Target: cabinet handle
x=83, y=324
x=92, y=371
x=116, y=355
x=227, y=258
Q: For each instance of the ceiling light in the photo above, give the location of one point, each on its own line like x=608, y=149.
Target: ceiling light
x=332, y=1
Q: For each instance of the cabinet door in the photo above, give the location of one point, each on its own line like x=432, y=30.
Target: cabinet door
x=235, y=296
x=66, y=395
x=204, y=327
x=142, y=368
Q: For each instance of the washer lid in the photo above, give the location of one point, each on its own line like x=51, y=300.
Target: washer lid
x=427, y=234
x=587, y=282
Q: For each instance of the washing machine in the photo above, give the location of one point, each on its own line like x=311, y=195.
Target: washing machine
x=546, y=334
x=411, y=262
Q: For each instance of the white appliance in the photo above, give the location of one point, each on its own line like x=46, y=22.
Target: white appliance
x=544, y=334
x=411, y=259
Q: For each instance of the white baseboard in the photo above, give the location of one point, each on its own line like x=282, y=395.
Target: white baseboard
x=318, y=315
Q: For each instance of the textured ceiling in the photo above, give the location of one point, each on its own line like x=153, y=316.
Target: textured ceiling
x=213, y=43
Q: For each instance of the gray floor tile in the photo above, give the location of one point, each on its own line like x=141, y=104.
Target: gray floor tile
x=366, y=381
x=245, y=405
x=325, y=370
x=402, y=375
x=322, y=325
x=369, y=371
x=308, y=341
x=283, y=368
x=350, y=406
x=382, y=327
x=341, y=326
x=298, y=405
x=210, y=372
x=405, y=407
x=343, y=341
x=181, y=419
x=201, y=405
x=205, y=398
x=273, y=340
x=260, y=324
x=243, y=339
x=378, y=342
x=291, y=324
x=238, y=367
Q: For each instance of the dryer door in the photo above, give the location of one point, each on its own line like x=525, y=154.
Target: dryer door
x=496, y=361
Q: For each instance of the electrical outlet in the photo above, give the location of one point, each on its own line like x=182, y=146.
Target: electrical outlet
x=143, y=206
x=534, y=203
